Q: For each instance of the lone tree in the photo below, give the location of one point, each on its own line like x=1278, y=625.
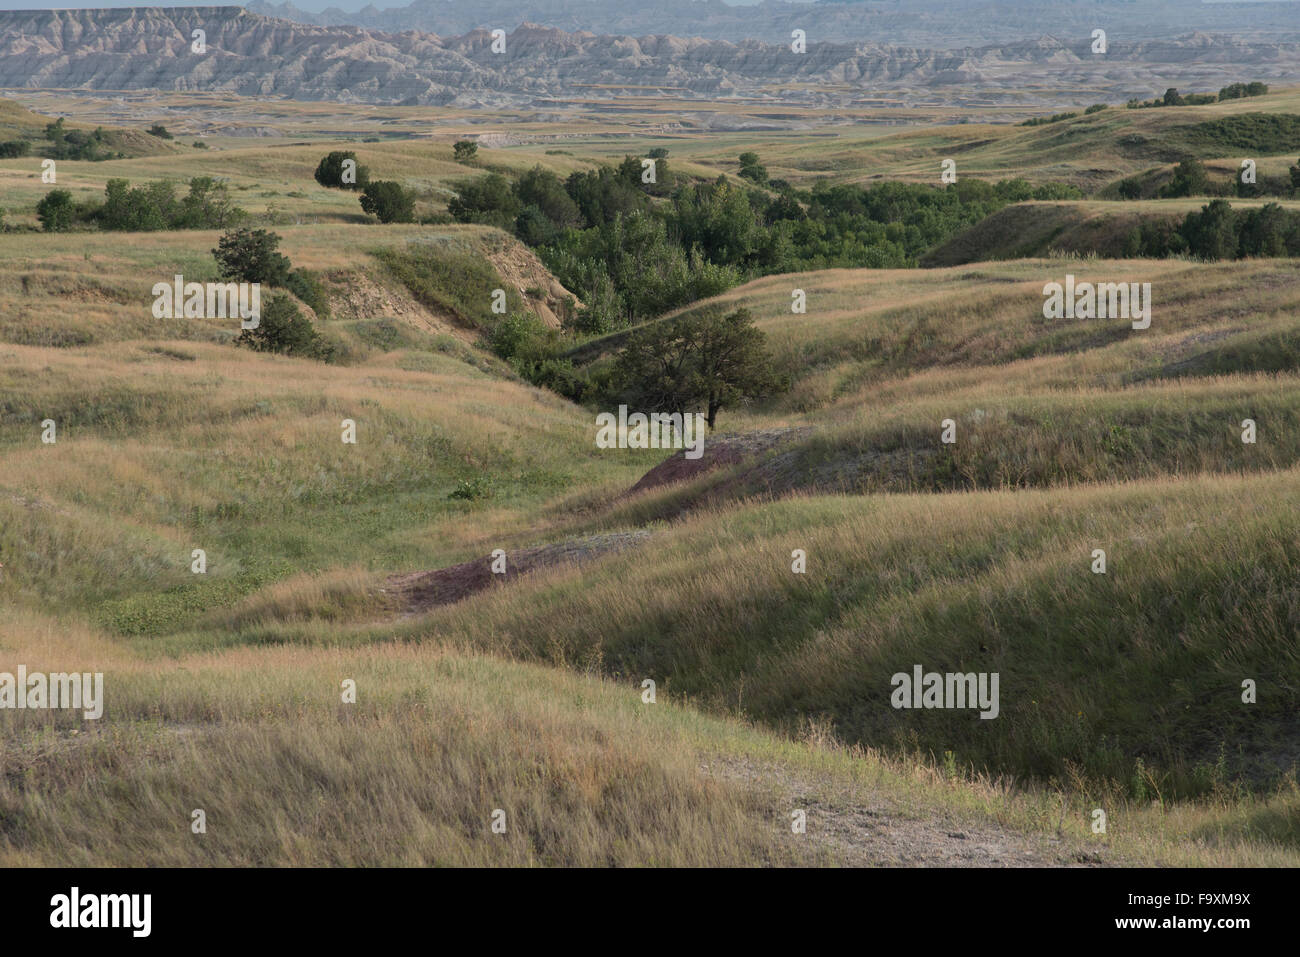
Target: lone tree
x=249, y=255
x=390, y=201
x=706, y=358
x=340, y=170
x=464, y=150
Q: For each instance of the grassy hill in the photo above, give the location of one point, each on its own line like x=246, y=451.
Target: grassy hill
x=329, y=562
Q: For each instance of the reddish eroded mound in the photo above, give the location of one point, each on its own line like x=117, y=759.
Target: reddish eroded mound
x=420, y=591
x=718, y=452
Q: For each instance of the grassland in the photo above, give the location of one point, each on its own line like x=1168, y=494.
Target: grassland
x=1120, y=691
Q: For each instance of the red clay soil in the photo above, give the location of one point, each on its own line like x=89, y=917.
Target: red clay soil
x=726, y=450
x=420, y=591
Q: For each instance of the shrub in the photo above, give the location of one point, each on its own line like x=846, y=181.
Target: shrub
x=333, y=171
x=751, y=169
x=56, y=211
x=464, y=150
x=389, y=201
x=489, y=200
x=1189, y=179
x=470, y=489
x=250, y=255
x=283, y=329
x=1212, y=233
x=304, y=284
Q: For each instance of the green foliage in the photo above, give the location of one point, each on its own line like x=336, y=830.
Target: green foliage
x=389, y=201
x=208, y=205
x=250, y=255
x=603, y=195
x=332, y=174
x=64, y=143
x=488, y=200
x=470, y=490
x=1154, y=239
x=1217, y=232
x=706, y=358
x=1189, y=179
x=1095, y=108
x=1044, y=120
x=1057, y=191
x=1249, y=133
x=159, y=131
x=56, y=211
x=155, y=206
x=448, y=280
x=630, y=269
x=464, y=150
x=1235, y=91
x=304, y=284
x=1212, y=233
x=751, y=169
x=542, y=189
x=282, y=328
x=12, y=149
x=1264, y=232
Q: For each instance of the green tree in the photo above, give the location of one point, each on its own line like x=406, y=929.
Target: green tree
x=489, y=200
x=284, y=329
x=718, y=218
x=541, y=188
x=390, y=201
x=1189, y=179
x=160, y=131
x=1295, y=177
x=603, y=195
x=56, y=211
x=250, y=255
x=1172, y=98
x=339, y=169
x=464, y=150
x=208, y=205
x=751, y=169
x=1264, y=232
x=708, y=359
x=1212, y=233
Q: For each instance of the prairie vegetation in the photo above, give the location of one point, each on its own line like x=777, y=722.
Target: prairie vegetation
x=1120, y=691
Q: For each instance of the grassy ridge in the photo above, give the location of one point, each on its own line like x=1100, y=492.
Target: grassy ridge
x=1117, y=690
